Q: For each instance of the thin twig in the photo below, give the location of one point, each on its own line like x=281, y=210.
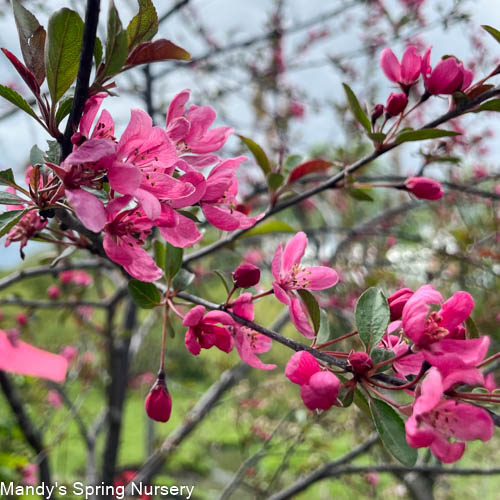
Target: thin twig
x=322, y=471
x=340, y=176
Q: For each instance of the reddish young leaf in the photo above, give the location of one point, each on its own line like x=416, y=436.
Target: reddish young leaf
x=32, y=40
x=159, y=50
x=308, y=168
x=25, y=73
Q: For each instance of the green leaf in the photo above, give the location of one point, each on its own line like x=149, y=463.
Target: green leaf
x=143, y=26
x=98, y=51
x=10, y=199
x=422, y=135
x=346, y=395
x=145, y=295
x=182, y=280
x=274, y=181
x=291, y=162
x=361, y=402
x=372, y=317
x=492, y=31
x=272, y=226
x=36, y=156
x=159, y=249
x=116, y=45
x=16, y=99
x=64, y=109
x=491, y=105
x=223, y=280
x=170, y=330
x=62, y=52
x=391, y=429
x=173, y=260
x=53, y=154
x=471, y=328
x=358, y=113
x=258, y=153
x=9, y=219
x=380, y=355
x=359, y=194
x=324, y=333
x=32, y=40
x=7, y=177
x=312, y=308
x=377, y=137
x=189, y=215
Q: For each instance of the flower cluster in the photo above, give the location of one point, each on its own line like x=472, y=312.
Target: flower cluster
x=446, y=78
x=143, y=180
x=432, y=354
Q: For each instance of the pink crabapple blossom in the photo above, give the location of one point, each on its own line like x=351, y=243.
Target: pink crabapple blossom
x=203, y=331
x=444, y=425
x=447, y=77
x=289, y=275
x=397, y=301
x=405, y=73
x=318, y=389
x=440, y=335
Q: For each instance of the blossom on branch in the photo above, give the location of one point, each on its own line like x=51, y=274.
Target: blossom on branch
x=290, y=275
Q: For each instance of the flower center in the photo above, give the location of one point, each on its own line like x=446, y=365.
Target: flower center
x=433, y=331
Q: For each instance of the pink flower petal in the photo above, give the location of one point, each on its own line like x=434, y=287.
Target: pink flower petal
x=390, y=65
x=89, y=209
x=194, y=316
x=294, y=251
x=25, y=359
x=456, y=310
x=124, y=177
x=321, y=277
x=299, y=318
x=301, y=367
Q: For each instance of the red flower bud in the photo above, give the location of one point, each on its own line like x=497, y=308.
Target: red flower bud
x=397, y=301
x=246, y=275
x=396, y=104
x=424, y=188
x=53, y=292
x=158, y=402
x=360, y=362
x=377, y=112
x=22, y=319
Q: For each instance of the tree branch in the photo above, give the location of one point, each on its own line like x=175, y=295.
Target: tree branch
x=83, y=77
x=389, y=468
x=325, y=470
x=29, y=431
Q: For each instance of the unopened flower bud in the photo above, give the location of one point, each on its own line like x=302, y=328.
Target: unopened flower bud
x=396, y=104
x=361, y=362
x=246, y=275
x=377, y=112
x=397, y=301
x=158, y=402
x=22, y=319
x=53, y=292
x=424, y=188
